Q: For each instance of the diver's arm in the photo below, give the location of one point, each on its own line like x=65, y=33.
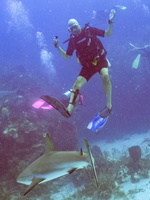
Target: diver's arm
x=145, y=48
x=63, y=53
x=108, y=31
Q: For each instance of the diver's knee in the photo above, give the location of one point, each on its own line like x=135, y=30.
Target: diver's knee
x=105, y=76
x=78, y=84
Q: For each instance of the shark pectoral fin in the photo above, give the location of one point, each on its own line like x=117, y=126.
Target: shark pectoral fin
x=72, y=170
x=33, y=184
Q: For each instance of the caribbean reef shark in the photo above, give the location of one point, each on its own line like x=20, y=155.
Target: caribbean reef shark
x=51, y=165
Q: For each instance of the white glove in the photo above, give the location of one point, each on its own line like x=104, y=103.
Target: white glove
x=56, y=42
x=112, y=14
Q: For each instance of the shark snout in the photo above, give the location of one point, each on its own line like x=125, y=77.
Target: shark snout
x=25, y=177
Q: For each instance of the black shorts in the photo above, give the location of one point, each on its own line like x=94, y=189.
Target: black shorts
x=89, y=70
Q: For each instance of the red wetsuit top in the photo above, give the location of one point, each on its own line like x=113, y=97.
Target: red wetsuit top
x=88, y=49
x=87, y=45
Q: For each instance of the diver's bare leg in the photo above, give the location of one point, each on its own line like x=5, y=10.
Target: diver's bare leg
x=79, y=83
x=107, y=86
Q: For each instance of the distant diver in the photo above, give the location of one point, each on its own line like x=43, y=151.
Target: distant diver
x=143, y=51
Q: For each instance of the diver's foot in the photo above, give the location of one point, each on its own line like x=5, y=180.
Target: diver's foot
x=64, y=112
x=69, y=109
x=68, y=114
x=105, y=112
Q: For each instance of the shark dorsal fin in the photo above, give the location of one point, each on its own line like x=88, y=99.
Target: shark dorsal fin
x=48, y=144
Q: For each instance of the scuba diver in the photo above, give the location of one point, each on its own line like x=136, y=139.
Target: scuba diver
x=92, y=56
x=144, y=51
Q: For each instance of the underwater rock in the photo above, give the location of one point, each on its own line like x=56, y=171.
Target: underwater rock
x=99, y=159
x=122, y=175
x=16, y=129
x=135, y=153
x=111, y=159
x=11, y=132
x=96, y=151
x=5, y=113
x=5, y=131
x=65, y=136
x=134, y=162
x=135, y=177
x=27, y=127
x=104, y=192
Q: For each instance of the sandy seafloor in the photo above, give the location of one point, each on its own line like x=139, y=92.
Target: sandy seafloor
x=121, y=146
x=116, y=149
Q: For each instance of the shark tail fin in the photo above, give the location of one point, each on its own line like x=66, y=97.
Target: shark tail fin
x=32, y=185
x=92, y=162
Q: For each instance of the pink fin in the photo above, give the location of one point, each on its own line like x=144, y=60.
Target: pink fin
x=48, y=107
x=38, y=103
x=42, y=104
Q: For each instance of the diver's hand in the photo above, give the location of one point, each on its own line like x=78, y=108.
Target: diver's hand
x=56, y=42
x=111, y=16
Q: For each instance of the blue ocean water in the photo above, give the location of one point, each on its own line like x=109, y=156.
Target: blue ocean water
x=31, y=66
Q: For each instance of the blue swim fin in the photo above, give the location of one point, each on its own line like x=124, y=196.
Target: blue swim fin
x=97, y=123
